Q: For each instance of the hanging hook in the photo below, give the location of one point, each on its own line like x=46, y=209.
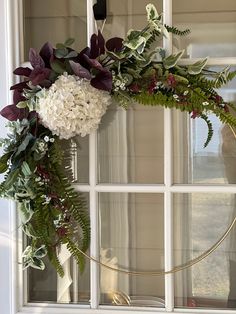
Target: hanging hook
x=100, y=10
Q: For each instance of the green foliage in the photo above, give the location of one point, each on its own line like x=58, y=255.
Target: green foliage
x=51, y=210
x=160, y=99
x=38, y=173
x=210, y=129
x=151, y=12
x=197, y=67
x=174, y=30
x=171, y=60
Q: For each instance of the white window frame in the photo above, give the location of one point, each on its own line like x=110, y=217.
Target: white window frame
x=14, y=300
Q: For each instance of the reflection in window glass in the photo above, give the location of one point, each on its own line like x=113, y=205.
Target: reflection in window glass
x=132, y=237
x=193, y=163
x=199, y=221
x=81, y=159
x=123, y=15
x=54, y=21
x=130, y=145
x=47, y=286
x=212, y=24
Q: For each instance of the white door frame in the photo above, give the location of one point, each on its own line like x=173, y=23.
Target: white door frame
x=10, y=54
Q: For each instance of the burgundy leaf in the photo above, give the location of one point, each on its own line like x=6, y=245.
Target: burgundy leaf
x=103, y=81
x=46, y=83
x=114, y=44
x=32, y=115
x=12, y=113
x=23, y=71
x=17, y=96
x=97, y=43
x=35, y=59
x=81, y=59
x=101, y=43
x=20, y=86
x=94, y=63
x=79, y=70
x=38, y=75
x=94, y=46
x=46, y=52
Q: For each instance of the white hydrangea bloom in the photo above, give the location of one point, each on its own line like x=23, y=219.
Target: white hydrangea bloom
x=71, y=106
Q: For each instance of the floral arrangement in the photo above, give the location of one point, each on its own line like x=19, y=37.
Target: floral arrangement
x=65, y=93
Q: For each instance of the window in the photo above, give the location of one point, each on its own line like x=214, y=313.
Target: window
x=157, y=198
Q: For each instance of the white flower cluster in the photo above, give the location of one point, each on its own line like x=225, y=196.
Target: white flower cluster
x=119, y=82
x=71, y=106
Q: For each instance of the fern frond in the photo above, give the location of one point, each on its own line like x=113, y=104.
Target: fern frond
x=174, y=30
x=225, y=117
x=152, y=39
x=55, y=262
x=210, y=129
x=76, y=253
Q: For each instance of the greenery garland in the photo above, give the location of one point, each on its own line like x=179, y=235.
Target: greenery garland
x=65, y=93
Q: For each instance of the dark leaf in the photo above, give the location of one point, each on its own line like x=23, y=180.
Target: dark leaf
x=69, y=42
x=58, y=67
x=12, y=177
x=60, y=46
x=103, y=81
x=38, y=75
x=97, y=44
x=12, y=113
x=37, y=263
x=46, y=52
x=17, y=96
x=80, y=71
x=23, y=71
x=71, y=54
x=94, y=63
x=114, y=44
x=35, y=59
x=22, y=147
x=94, y=46
x=81, y=59
x=32, y=115
x=61, y=52
x=46, y=83
x=101, y=43
x=3, y=162
x=20, y=86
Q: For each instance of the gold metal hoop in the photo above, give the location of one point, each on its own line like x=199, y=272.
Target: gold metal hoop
x=174, y=269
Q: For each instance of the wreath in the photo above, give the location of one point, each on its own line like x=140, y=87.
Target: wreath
x=65, y=93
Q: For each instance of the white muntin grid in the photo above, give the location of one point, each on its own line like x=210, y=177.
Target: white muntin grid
x=19, y=296
x=167, y=189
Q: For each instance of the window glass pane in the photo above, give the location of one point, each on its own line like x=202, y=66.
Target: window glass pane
x=200, y=219
x=212, y=24
x=132, y=237
x=54, y=21
x=130, y=145
x=123, y=15
x=47, y=286
x=193, y=163
x=81, y=159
